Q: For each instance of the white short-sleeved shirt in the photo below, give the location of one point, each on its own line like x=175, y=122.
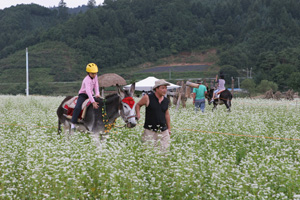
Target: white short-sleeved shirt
x=221, y=85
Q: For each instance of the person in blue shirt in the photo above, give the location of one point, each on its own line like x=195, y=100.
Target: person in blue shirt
x=199, y=97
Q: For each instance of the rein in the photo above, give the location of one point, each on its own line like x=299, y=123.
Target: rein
x=129, y=101
x=105, y=119
x=224, y=99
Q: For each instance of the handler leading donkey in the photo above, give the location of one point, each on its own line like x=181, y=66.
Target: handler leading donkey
x=97, y=120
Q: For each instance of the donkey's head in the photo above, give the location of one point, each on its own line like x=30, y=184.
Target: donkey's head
x=127, y=106
x=209, y=95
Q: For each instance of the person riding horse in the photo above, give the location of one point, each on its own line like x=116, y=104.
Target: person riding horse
x=222, y=95
x=224, y=98
x=220, y=87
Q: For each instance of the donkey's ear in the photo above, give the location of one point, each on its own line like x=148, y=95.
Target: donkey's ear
x=132, y=89
x=121, y=92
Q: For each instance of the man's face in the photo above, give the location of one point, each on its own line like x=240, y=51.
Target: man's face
x=161, y=90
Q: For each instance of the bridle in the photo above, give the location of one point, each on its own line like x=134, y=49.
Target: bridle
x=121, y=112
x=126, y=119
x=131, y=103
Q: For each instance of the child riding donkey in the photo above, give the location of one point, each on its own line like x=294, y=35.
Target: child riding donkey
x=220, y=87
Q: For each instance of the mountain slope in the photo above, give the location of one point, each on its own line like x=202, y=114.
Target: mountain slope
x=48, y=62
x=261, y=35
x=21, y=26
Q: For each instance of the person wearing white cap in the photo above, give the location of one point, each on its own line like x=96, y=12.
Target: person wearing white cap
x=157, y=127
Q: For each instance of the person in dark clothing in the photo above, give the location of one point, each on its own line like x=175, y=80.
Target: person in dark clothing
x=157, y=127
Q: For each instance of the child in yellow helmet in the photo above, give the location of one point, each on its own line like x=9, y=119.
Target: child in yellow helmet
x=89, y=83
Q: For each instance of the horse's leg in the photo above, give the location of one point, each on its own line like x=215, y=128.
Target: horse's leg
x=227, y=105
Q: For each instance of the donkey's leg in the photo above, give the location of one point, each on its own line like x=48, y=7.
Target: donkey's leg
x=97, y=137
x=59, y=128
x=71, y=131
x=67, y=127
x=227, y=106
x=215, y=106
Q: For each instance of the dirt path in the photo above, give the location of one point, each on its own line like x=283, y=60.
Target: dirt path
x=186, y=64
x=181, y=67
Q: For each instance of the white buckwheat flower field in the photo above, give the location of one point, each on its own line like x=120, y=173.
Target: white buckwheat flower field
x=253, y=152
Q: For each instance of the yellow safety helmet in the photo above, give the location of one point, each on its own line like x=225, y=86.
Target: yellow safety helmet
x=91, y=68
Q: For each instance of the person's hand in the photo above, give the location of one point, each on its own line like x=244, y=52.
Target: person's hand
x=170, y=132
x=97, y=96
x=137, y=116
x=95, y=105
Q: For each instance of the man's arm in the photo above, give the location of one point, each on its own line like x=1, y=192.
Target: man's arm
x=144, y=101
x=194, y=97
x=168, y=120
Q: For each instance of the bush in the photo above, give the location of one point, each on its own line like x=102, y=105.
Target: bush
x=249, y=85
x=294, y=81
x=266, y=85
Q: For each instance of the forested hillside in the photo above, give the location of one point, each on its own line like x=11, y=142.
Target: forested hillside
x=22, y=25
x=262, y=35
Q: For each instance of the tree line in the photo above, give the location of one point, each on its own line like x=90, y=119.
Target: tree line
x=260, y=34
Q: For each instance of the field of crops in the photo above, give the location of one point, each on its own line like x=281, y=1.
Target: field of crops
x=217, y=155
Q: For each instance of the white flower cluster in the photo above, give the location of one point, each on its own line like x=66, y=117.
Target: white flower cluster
x=204, y=160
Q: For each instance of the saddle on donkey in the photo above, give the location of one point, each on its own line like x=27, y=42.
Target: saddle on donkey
x=69, y=106
x=218, y=94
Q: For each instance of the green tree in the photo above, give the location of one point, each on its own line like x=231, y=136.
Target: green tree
x=289, y=56
x=281, y=73
x=266, y=85
x=91, y=4
x=266, y=61
x=229, y=72
x=236, y=56
x=62, y=10
x=249, y=85
x=294, y=81
x=62, y=3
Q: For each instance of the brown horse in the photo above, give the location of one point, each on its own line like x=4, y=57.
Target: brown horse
x=97, y=120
